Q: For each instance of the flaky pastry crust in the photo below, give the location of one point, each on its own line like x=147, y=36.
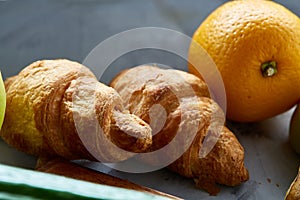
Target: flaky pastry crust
x=183, y=104
x=58, y=107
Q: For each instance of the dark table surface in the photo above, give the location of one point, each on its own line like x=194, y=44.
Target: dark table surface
x=46, y=29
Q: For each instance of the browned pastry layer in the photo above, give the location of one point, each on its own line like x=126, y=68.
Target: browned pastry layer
x=65, y=168
x=294, y=191
x=51, y=101
x=173, y=102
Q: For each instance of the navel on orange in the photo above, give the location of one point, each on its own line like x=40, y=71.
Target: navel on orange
x=256, y=46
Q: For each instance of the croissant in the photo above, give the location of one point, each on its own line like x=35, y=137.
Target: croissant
x=294, y=190
x=175, y=102
x=58, y=107
x=66, y=168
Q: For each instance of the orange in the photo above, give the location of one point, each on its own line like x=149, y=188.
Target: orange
x=256, y=47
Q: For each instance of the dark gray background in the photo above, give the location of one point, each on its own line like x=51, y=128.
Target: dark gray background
x=44, y=29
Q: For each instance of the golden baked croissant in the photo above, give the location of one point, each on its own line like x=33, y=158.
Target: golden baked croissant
x=173, y=102
x=68, y=169
x=58, y=107
x=294, y=190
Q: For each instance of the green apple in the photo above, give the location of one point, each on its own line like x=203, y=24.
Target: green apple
x=2, y=100
x=295, y=130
